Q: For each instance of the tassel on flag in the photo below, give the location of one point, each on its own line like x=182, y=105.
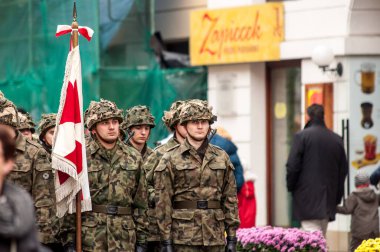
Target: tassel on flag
x=69, y=153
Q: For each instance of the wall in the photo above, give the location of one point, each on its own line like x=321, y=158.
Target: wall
x=246, y=121
x=172, y=17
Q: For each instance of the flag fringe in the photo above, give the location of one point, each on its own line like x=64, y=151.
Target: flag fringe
x=64, y=165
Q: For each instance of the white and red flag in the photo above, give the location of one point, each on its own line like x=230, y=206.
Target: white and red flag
x=69, y=150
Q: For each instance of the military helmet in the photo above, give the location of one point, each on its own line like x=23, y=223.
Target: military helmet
x=8, y=113
x=171, y=117
x=139, y=115
x=196, y=110
x=123, y=130
x=100, y=111
x=47, y=122
x=26, y=122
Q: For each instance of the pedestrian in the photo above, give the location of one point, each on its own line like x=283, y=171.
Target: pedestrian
x=118, y=187
x=18, y=231
x=171, y=121
x=139, y=122
x=223, y=139
x=196, y=201
x=26, y=126
x=362, y=204
x=316, y=170
x=247, y=201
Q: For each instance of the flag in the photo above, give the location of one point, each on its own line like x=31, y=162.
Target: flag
x=69, y=153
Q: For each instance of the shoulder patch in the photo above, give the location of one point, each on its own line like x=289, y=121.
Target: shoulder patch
x=215, y=146
x=158, y=147
x=35, y=144
x=173, y=148
x=33, y=148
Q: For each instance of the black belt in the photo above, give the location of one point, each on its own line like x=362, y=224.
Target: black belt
x=111, y=210
x=201, y=204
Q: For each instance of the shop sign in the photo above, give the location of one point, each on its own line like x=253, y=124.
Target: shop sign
x=244, y=34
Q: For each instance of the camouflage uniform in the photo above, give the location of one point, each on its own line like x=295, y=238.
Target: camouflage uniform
x=33, y=172
x=196, y=198
x=117, y=183
x=47, y=191
x=140, y=115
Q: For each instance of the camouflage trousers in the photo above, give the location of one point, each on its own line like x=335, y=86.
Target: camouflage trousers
x=189, y=248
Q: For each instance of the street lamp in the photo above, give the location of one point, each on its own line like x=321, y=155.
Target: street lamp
x=323, y=57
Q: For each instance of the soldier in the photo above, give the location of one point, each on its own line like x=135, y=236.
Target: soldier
x=118, y=187
x=26, y=126
x=33, y=172
x=140, y=121
x=195, y=189
x=47, y=128
x=171, y=121
x=50, y=224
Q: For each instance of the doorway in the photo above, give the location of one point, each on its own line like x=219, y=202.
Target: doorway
x=284, y=118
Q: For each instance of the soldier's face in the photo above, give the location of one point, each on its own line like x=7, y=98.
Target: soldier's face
x=197, y=129
x=10, y=130
x=48, y=138
x=107, y=130
x=181, y=130
x=141, y=134
x=27, y=133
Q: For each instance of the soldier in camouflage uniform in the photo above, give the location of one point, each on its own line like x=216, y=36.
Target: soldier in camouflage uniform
x=46, y=128
x=26, y=126
x=171, y=121
x=46, y=131
x=118, y=220
x=33, y=172
x=140, y=121
x=195, y=189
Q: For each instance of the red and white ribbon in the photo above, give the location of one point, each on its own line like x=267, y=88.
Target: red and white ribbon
x=85, y=31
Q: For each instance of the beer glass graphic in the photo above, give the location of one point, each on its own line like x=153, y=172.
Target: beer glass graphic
x=367, y=121
x=365, y=77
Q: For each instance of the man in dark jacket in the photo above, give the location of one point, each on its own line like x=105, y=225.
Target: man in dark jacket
x=316, y=170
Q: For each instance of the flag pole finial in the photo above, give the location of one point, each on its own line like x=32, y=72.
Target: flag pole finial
x=74, y=26
x=75, y=12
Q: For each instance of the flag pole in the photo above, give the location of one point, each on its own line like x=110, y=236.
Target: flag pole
x=78, y=212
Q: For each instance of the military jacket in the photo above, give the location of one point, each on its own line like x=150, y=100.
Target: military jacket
x=117, y=179
x=45, y=200
x=182, y=176
x=150, y=161
x=34, y=173
x=26, y=154
x=162, y=149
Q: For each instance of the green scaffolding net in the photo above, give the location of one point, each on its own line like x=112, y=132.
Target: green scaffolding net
x=117, y=64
